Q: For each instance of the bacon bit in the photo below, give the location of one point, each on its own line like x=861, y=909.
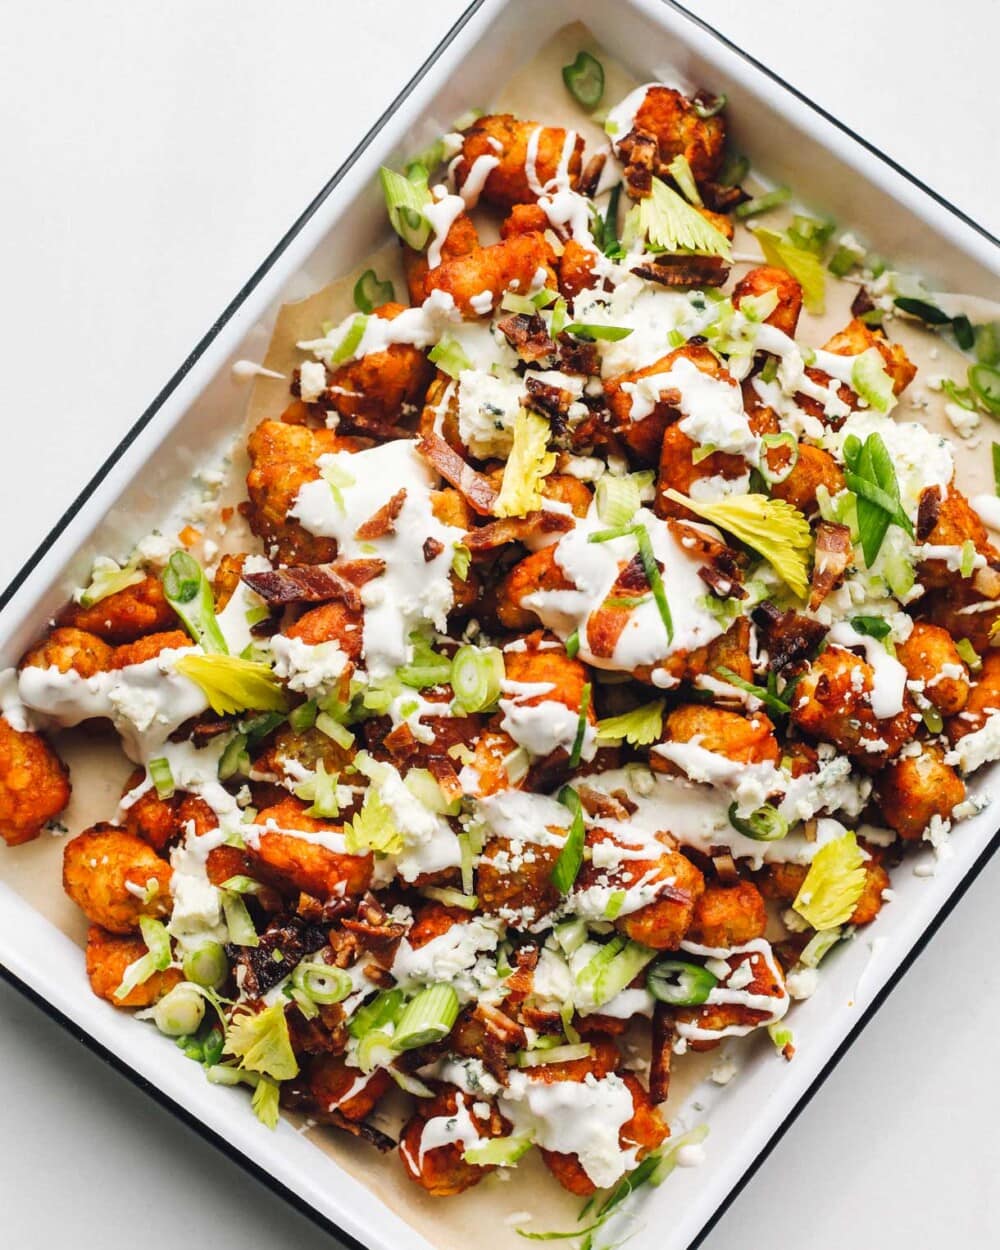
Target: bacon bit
x=787, y=636
x=639, y=152
x=476, y=489
x=577, y=356
x=862, y=303
x=501, y=1026
x=372, y=925
x=721, y=585
x=683, y=270
x=725, y=869
x=720, y=199
x=401, y=742
x=662, y=1052
x=627, y=804
x=444, y=774
x=432, y=549
x=316, y=583
x=528, y=335
x=516, y=529
x=189, y=536
x=383, y=522
x=834, y=553
x=473, y=1040
x=551, y=401
x=205, y=730
x=591, y=175
x=326, y=913
x=601, y=806
x=928, y=511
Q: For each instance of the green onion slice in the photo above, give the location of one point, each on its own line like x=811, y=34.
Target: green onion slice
x=405, y=199
x=613, y=969
x=679, y=983
x=370, y=293
x=449, y=357
x=189, y=593
x=652, y=571
x=238, y=921
x=763, y=203
x=766, y=824
x=385, y=1008
x=108, y=581
x=207, y=965
x=476, y=677
x=552, y=1054
x=785, y=439
x=987, y=343
x=581, y=727
x=872, y=626
x=321, y=982
x=922, y=310
x=710, y=107
x=591, y=333
x=573, y=641
x=351, y=341
x=843, y=261
x=767, y=697
x=985, y=382
x=427, y=1018
x=584, y=80
x=618, y=499
x=734, y=169
x=567, y=866
x=161, y=777
x=501, y=1152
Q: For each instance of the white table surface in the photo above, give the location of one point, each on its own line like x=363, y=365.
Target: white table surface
x=152, y=154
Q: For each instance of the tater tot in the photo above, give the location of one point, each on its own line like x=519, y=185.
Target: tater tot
x=813, y=468
x=856, y=337
x=539, y=571
x=983, y=700
x=930, y=656
x=108, y=957
x=115, y=877
x=956, y=523
x=125, y=615
x=334, y=1087
x=530, y=156
x=745, y=739
x=764, y=278
x=149, y=648
x=151, y=818
x=301, y=865
x=383, y=388
x=70, y=650
x=515, y=882
x=34, y=784
x=331, y=622
x=461, y=239
x=727, y=916
x=673, y=120
x=913, y=789
x=513, y=263
x=441, y=1170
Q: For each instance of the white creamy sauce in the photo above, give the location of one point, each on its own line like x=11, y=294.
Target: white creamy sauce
x=472, y=187
x=442, y=213
x=244, y=370
x=413, y=592
x=775, y=1006
x=315, y=670
x=889, y=676
x=421, y=327
x=542, y=725
x=452, y=957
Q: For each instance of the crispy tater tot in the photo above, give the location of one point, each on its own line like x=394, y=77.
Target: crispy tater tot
x=813, y=468
x=930, y=656
x=536, y=572
x=148, y=648
x=856, y=337
x=331, y=622
x=832, y=703
x=513, y=263
x=70, y=650
x=530, y=156
x=679, y=471
x=108, y=957
x=727, y=916
x=956, y=523
x=442, y=1170
x=227, y=579
x=745, y=739
x=335, y=1087
x=983, y=700
x=576, y=268
x=782, y=882
x=515, y=881
x=34, y=784
x=913, y=789
x=302, y=865
x=764, y=278
x=115, y=877
x=151, y=818
x=679, y=131
x=125, y=615
x=461, y=239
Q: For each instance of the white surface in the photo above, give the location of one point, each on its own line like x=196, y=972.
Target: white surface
x=153, y=154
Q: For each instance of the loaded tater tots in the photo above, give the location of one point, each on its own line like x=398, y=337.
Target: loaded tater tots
x=609, y=638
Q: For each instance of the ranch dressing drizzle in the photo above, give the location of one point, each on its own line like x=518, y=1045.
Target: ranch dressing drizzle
x=889, y=676
x=775, y=1006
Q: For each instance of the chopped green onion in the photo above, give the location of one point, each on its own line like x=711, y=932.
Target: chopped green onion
x=321, y=790
x=871, y=381
x=843, y=261
x=968, y=558
x=405, y=199
x=618, y=499
x=765, y=824
x=679, y=983
x=785, y=439
x=985, y=382
x=461, y=561
x=238, y=922
x=206, y=965
x=427, y=666
x=321, y=982
x=161, y=777
x=234, y=758
x=680, y=171
x=424, y=785
x=157, y=958
x=427, y=1018
x=961, y=327
x=375, y=1050
x=303, y=717
x=709, y=108
x=591, y=333
x=527, y=304
x=871, y=626
x=584, y=80
x=573, y=641
x=763, y=203
x=581, y=726
x=613, y=969
x=449, y=357
x=652, y=570
x=567, y=867
x=180, y=1011
x=969, y=654
x=987, y=343
x=477, y=675
x=922, y=310
x=820, y=944
x=770, y=370
x=349, y=344
x=334, y=730
x=810, y=234
x=767, y=697
x=108, y=579
x=552, y=1054
x=611, y=244
x=370, y=293
x=932, y=718
x=734, y=169
x=189, y=593
x=451, y=898
x=501, y=1152
x=385, y=1008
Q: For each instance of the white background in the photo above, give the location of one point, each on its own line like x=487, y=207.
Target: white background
x=152, y=154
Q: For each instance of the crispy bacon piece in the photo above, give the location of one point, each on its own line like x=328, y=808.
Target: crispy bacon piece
x=528, y=335
x=722, y=585
x=297, y=1098
x=662, y=1051
x=316, y=583
x=591, y=175
x=576, y=356
x=475, y=488
x=550, y=401
x=833, y=555
x=516, y=530
x=432, y=549
x=928, y=511
x=787, y=636
x=601, y=806
x=280, y=947
x=383, y=522
x=682, y=270
x=720, y=199
x=443, y=772
x=862, y=302
x=371, y=924
x=474, y=1038
x=639, y=152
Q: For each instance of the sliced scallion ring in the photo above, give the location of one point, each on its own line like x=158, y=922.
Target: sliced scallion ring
x=427, y=1018
x=774, y=477
x=766, y=824
x=406, y=197
x=985, y=382
x=584, y=80
x=618, y=499
x=207, y=965
x=161, y=777
x=593, y=333
x=581, y=727
x=552, y=1054
x=476, y=677
x=321, y=982
x=189, y=593
x=763, y=203
x=679, y=983
x=567, y=866
x=371, y=293
x=710, y=107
